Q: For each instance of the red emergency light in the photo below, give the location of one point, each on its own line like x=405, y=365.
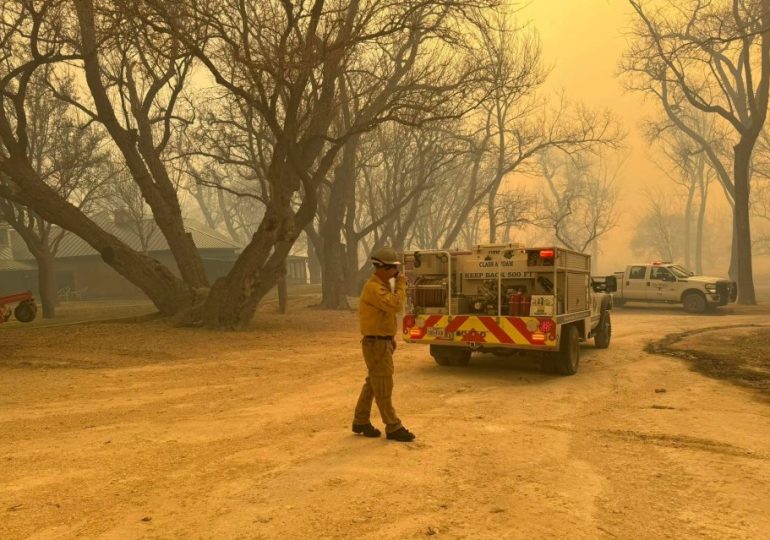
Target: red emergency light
x=546, y=326
x=546, y=254
x=409, y=322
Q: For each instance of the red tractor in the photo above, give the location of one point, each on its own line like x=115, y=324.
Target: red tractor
x=25, y=311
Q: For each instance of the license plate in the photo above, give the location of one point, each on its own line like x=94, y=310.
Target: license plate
x=436, y=332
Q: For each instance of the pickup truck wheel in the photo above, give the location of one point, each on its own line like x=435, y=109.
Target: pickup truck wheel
x=603, y=331
x=25, y=311
x=694, y=302
x=568, y=357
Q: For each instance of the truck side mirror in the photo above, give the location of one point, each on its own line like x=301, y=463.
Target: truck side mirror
x=611, y=284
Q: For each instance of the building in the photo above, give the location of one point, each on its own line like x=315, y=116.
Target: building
x=81, y=273
x=15, y=275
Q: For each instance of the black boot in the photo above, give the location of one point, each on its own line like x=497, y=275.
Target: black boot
x=401, y=434
x=367, y=430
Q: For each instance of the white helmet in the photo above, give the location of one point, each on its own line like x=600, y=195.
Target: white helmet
x=385, y=256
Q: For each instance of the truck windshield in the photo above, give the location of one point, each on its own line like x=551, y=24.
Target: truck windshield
x=679, y=271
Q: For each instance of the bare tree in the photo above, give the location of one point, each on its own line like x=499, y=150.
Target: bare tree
x=579, y=206
x=692, y=171
x=658, y=233
x=70, y=160
x=136, y=79
x=401, y=169
x=760, y=194
x=714, y=56
x=287, y=60
x=122, y=199
x=761, y=210
x=34, y=36
x=225, y=159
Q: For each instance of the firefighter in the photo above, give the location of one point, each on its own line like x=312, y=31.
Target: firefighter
x=377, y=311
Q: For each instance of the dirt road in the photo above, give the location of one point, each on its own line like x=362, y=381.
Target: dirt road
x=138, y=430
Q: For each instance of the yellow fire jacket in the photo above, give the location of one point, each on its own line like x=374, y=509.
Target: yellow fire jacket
x=378, y=307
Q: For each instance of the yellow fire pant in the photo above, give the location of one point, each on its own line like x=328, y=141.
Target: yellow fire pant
x=378, y=355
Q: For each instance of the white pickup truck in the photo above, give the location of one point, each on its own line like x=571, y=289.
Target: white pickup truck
x=672, y=283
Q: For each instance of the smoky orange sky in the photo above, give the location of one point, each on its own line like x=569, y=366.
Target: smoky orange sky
x=582, y=42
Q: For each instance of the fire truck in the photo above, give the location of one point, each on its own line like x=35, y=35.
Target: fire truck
x=503, y=299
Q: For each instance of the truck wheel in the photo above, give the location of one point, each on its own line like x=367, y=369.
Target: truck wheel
x=694, y=302
x=450, y=356
x=440, y=355
x=461, y=356
x=548, y=363
x=603, y=331
x=568, y=357
x=25, y=311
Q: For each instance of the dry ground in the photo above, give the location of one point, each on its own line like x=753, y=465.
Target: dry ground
x=133, y=429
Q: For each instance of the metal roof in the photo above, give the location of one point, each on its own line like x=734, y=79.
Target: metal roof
x=12, y=266
x=203, y=236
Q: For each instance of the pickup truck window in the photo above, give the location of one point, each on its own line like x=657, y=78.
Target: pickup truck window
x=662, y=274
x=637, y=272
x=680, y=271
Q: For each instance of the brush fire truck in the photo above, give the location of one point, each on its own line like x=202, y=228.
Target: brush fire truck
x=503, y=299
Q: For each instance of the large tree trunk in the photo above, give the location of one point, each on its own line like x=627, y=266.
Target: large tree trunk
x=46, y=282
x=732, y=271
x=333, y=258
x=141, y=156
x=169, y=293
x=688, y=226
x=746, y=294
x=352, y=285
x=699, y=227
x=234, y=298
x=333, y=285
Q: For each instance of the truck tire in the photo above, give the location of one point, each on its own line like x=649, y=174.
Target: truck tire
x=462, y=357
x=694, y=302
x=25, y=311
x=450, y=356
x=568, y=357
x=440, y=355
x=548, y=363
x=603, y=331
